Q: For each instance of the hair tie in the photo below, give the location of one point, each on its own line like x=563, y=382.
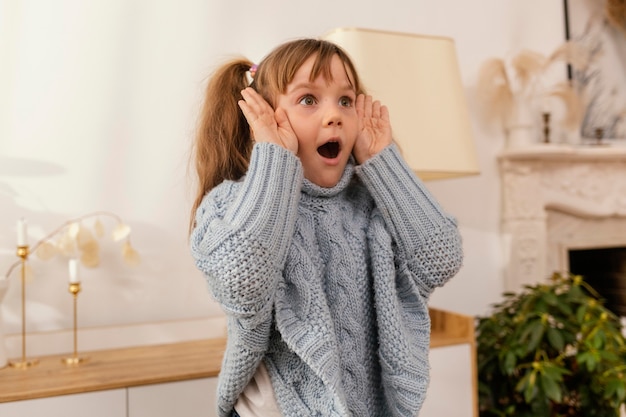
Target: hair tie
x=253, y=69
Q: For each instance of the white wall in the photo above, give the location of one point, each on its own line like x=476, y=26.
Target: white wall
x=97, y=108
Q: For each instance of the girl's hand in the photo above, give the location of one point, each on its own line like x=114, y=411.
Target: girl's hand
x=374, y=128
x=266, y=124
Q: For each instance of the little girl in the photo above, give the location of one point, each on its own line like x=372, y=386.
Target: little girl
x=317, y=239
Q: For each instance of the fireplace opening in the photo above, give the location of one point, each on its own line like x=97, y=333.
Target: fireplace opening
x=605, y=270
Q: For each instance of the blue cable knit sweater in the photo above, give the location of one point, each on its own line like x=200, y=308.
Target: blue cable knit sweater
x=327, y=285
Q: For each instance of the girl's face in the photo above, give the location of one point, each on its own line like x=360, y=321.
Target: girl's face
x=324, y=119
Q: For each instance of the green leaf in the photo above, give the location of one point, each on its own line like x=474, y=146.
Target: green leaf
x=554, y=371
x=609, y=357
x=583, y=357
x=621, y=392
x=523, y=382
x=530, y=391
x=541, y=306
x=555, y=338
x=551, y=299
x=535, y=338
x=551, y=387
x=564, y=306
x=510, y=360
x=615, y=387
x=528, y=327
x=580, y=313
x=598, y=340
x=590, y=359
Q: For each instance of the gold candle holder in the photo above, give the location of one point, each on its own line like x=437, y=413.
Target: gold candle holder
x=74, y=289
x=22, y=252
x=546, y=127
x=599, y=135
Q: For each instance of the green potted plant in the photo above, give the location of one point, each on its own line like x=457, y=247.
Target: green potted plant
x=551, y=350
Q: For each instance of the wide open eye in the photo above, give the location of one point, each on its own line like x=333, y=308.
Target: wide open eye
x=346, y=101
x=307, y=100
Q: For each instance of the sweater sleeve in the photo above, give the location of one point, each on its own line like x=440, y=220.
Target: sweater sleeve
x=243, y=230
x=427, y=239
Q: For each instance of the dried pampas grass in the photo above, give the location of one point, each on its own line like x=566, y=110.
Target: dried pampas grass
x=494, y=88
x=505, y=88
x=497, y=89
x=527, y=64
x=573, y=53
x=574, y=107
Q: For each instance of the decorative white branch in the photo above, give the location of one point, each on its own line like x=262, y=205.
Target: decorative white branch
x=72, y=228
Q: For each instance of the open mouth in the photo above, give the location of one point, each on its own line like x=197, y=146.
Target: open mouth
x=329, y=149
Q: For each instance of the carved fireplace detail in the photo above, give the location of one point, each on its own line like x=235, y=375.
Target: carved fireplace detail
x=557, y=198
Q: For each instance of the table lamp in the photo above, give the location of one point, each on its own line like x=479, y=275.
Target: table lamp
x=417, y=77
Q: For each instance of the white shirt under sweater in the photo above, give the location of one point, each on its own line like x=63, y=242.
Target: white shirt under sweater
x=258, y=399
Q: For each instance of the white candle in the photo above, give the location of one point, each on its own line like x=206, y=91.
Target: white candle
x=21, y=232
x=73, y=266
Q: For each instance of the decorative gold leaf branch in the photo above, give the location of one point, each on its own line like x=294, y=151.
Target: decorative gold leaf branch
x=73, y=239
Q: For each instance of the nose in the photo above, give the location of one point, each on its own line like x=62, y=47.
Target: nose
x=332, y=116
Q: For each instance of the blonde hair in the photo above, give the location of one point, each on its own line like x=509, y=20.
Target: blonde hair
x=223, y=144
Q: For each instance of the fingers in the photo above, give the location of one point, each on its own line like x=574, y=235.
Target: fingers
x=259, y=114
x=360, y=105
x=266, y=124
x=253, y=105
x=376, y=109
x=281, y=117
x=384, y=113
x=285, y=131
x=364, y=106
x=374, y=127
x=367, y=108
x=254, y=99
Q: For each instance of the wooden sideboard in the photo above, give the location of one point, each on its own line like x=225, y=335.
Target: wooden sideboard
x=123, y=372
x=115, y=368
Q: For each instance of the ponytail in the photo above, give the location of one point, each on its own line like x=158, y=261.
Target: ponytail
x=222, y=146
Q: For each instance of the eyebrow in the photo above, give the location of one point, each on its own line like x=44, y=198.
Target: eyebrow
x=312, y=86
x=301, y=86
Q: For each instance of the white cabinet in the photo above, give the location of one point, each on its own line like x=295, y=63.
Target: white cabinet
x=451, y=383
x=192, y=398
x=110, y=403
x=453, y=389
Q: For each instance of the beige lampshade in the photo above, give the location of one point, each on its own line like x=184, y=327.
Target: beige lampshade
x=418, y=78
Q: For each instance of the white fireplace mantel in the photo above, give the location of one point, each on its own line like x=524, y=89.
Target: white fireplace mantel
x=556, y=197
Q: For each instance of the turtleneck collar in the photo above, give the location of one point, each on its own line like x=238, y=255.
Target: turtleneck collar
x=315, y=190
